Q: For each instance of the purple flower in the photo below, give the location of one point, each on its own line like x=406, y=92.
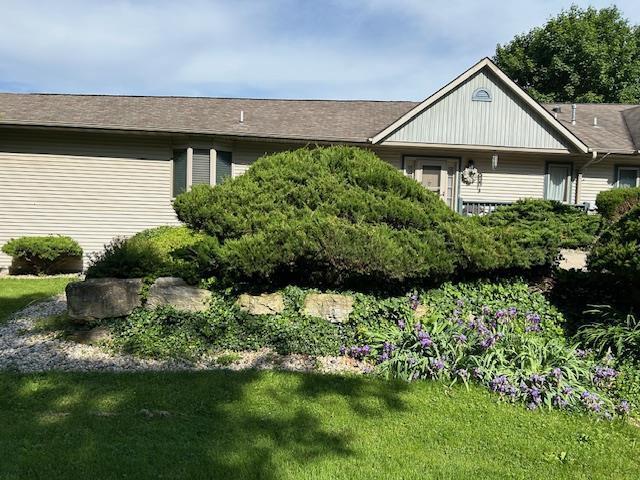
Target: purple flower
x=460, y=303
x=477, y=373
x=623, y=408
x=533, y=320
x=560, y=402
x=580, y=353
x=532, y=406
x=557, y=373
x=460, y=338
x=401, y=324
x=414, y=301
x=462, y=373
x=604, y=376
x=425, y=339
x=537, y=379
x=500, y=314
x=567, y=390
x=512, y=311
x=486, y=310
x=438, y=364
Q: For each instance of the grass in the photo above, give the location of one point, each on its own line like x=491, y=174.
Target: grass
x=274, y=425
x=17, y=293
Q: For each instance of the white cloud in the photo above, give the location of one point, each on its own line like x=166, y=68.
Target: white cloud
x=278, y=48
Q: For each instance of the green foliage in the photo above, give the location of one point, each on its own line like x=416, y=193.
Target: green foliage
x=614, y=203
x=617, y=253
x=167, y=333
x=609, y=330
x=43, y=254
x=628, y=384
x=340, y=216
x=558, y=223
x=155, y=252
x=581, y=55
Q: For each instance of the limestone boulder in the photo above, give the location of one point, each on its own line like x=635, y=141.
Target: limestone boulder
x=98, y=298
x=174, y=292
x=332, y=307
x=264, y=304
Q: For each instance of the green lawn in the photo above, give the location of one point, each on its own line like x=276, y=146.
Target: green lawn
x=16, y=293
x=272, y=425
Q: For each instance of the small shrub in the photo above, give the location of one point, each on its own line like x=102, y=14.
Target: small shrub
x=227, y=359
x=566, y=225
x=617, y=253
x=614, y=203
x=154, y=252
x=43, y=254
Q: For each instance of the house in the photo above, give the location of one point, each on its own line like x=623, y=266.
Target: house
x=97, y=166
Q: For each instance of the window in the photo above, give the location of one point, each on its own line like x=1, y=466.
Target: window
x=481, y=95
x=223, y=166
x=179, y=171
x=627, y=176
x=558, y=184
x=201, y=167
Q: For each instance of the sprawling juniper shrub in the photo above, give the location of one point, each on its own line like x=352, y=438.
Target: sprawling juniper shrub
x=614, y=203
x=341, y=217
x=564, y=224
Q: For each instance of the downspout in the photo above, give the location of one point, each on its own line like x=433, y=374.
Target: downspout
x=594, y=160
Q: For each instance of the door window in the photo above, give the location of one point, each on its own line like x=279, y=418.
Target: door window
x=431, y=177
x=558, y=183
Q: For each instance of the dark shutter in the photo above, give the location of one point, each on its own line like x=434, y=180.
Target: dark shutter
x=223, y=166
x=179, y=171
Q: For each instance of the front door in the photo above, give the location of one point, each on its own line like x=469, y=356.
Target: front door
x=439, y=176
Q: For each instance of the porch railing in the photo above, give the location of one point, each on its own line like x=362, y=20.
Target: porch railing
x=484, y=207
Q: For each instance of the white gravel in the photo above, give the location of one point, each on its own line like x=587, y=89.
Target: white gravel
x=24, y=350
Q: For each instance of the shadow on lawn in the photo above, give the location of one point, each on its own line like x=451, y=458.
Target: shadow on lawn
x=181, y=425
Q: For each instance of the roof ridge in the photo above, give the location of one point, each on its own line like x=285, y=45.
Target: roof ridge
x=200, y=97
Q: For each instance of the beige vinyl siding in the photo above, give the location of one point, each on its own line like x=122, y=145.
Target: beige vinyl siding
x=601, y=176
x=88, y=186
x=245, y=153
x=506, y=121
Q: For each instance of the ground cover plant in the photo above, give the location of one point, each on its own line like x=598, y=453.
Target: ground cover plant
x=287, y=426
x=43, y=255
x=16, y=293
x=569, y=226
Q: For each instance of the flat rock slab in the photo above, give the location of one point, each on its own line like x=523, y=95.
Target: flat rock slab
x=264, y=304
x=174, y=292
x=330, y=306
x=573, y=259
x=99, y=298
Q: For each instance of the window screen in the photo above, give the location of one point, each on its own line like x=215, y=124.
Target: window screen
x=223, y=166
x=201, y=167
x=179, y=171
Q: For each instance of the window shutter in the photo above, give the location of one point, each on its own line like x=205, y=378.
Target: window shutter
x=201, y=167
x=223, y=166
x=179, y=171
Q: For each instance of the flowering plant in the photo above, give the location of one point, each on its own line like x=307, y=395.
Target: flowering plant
x=503, y=349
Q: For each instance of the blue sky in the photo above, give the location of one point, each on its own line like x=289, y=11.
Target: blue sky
x=350, y=49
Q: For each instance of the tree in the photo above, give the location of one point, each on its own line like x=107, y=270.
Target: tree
x=581, y=55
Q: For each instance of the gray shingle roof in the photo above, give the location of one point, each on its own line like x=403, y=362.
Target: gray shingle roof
x=613, y=132
x=349, y=121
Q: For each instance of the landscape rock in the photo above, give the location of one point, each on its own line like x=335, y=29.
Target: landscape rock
x=99, y=298
x=176, y=293
x=264, y=304
x=330, y=306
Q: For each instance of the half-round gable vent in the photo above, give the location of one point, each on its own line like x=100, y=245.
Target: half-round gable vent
x=481, y=95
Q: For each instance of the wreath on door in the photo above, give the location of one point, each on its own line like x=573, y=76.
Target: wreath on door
x=470, y=175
